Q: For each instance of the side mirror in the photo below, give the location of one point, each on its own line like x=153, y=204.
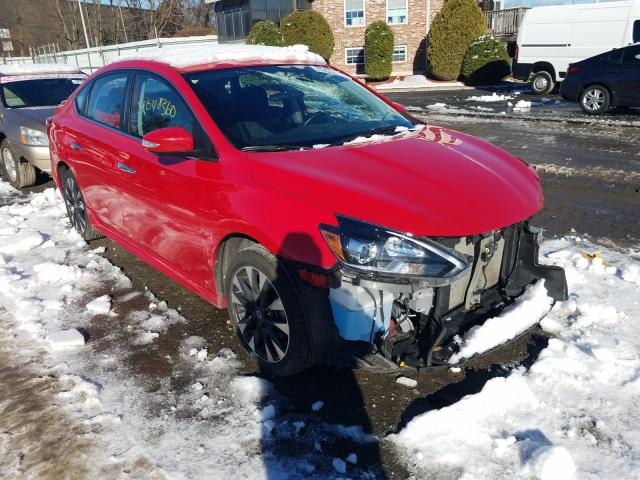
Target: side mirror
x=170, y=140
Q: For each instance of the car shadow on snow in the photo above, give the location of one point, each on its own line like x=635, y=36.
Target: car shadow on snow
x=323, y=429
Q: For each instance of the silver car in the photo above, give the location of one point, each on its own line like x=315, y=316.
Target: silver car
x=28, y=96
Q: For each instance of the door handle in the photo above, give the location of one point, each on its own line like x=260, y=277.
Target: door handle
x=76, y=147
x=126, y=168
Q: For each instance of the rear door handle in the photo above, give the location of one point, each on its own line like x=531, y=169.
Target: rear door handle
x=126, y=168
x=76, y=147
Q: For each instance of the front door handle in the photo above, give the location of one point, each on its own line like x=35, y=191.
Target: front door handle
x=126, y=168
x=76, y=147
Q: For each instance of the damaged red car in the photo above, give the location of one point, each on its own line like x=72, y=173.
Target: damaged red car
x=318, y=212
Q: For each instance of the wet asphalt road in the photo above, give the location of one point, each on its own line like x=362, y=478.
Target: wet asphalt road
x=589, y=166
x=591, y=177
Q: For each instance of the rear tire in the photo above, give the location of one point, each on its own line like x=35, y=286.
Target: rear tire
x=76, y=206
x=19, y=173
x=266, y=310
x=595, y=100
x=542, y=82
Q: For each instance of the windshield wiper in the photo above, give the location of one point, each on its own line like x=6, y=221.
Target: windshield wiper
x=272, y=148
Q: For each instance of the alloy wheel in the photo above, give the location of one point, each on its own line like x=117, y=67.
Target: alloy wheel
x=259, y=314
x=75, y=205
x=593, y=99
x=9, y=164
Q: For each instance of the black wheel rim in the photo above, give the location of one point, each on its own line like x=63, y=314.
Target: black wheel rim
x=75, y=205
x=259, y=314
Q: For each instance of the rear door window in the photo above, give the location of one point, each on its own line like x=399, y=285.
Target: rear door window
x=156, y=104
x=106, y=100
x=636, y=31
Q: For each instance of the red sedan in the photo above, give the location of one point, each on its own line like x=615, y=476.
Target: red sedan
x=311, y=207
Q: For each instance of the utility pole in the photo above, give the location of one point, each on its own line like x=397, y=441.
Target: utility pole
x=84, y=25
x=126, y=38
x=86, y=35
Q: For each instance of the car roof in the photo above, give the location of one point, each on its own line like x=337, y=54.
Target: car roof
x=187, y=58
x=26, y=69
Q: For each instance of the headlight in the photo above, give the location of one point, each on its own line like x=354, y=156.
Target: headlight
x=32, y=137
x=379, y=252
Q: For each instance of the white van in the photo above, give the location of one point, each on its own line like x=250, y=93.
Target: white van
x=550, y=38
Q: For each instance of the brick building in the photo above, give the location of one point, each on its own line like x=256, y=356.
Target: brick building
x=409, y=20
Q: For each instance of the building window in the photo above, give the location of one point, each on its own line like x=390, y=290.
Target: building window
x=399, y=53
x=303, y=5
x=353, y=13
x=354, y=56
x=396, y=11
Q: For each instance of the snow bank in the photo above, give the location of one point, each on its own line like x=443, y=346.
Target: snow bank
x=574, y=413
x=526, y=312
x=36, y=69
x=184, y=56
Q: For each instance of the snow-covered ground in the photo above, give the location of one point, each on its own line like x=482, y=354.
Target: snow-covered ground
x=574, y=413
x=73, y=407
x=417, y=82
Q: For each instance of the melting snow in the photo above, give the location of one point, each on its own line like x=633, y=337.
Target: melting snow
x=526, y=312
x=36, y=69
x=63, y=339
x=184, y=56
x=417, y=81
x=494, y=97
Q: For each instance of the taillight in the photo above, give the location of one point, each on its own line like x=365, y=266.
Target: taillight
x=572, y=69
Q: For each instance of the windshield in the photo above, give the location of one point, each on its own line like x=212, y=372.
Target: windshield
x=42, y=92
x=291, y=106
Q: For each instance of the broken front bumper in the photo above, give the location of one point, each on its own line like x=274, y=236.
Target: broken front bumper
x=424, y=321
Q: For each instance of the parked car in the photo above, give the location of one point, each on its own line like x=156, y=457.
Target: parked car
x=608, y=80
x=552, y=37
x=28, y=96
x=307, y=204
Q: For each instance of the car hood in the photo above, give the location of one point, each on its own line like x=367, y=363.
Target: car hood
x=434, y=182
x=35, y=114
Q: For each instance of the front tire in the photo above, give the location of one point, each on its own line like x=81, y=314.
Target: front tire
x=20, y=174
x=595, y=100
x=76, y=206
x=542, y=83
x=265, y=307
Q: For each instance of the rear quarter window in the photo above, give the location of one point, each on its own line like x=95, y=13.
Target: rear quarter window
x=81, y=98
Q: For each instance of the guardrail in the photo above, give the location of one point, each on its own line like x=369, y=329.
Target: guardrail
x=90, y=59
x=504, y=23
